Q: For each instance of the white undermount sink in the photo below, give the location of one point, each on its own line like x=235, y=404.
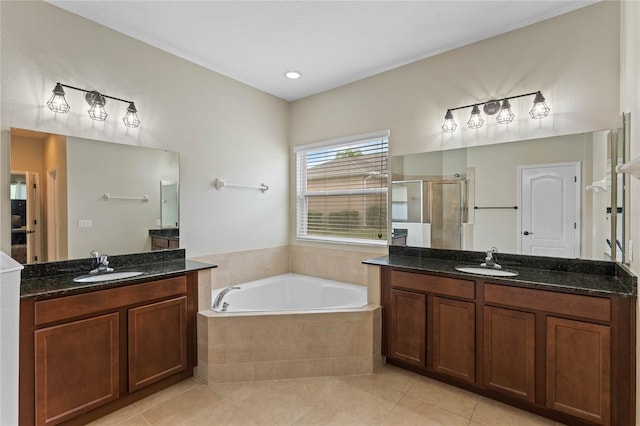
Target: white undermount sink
x=106, y=277
x=486, y=271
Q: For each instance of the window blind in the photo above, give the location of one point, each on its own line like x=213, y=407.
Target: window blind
x=342, y=190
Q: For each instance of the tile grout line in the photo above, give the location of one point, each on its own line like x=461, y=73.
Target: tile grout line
x=473, y=412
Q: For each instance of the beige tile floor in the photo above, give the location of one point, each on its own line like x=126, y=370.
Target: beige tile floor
x=391, y=396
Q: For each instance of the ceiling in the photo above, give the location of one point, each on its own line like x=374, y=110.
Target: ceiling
x=332, y=43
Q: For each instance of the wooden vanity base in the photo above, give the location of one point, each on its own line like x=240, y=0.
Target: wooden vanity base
x=565, y=356
x=88, y=354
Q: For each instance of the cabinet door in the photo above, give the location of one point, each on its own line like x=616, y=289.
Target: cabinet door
x=157, y=341
x=76, y=368
x=509, y=352
x=579, y=369
x=454, y=349
x=407, y=337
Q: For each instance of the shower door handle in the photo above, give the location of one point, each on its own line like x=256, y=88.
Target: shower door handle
x=527, y=233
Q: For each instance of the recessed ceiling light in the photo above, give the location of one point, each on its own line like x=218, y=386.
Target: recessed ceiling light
x=293, y=75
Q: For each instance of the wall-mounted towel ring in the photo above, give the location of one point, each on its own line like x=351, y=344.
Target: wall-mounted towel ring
x=220, y=185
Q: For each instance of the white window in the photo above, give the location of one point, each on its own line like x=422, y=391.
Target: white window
x=342, y=189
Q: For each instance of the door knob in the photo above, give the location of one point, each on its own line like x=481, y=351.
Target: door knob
x=527, y=233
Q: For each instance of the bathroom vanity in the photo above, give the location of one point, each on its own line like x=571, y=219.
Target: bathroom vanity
x=558, y=339
x=162, y=239
x=90, y=348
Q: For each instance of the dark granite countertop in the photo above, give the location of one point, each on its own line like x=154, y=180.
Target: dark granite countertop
x=56, y=278
x=566, y=275
x=165, y=233
x=164, y=237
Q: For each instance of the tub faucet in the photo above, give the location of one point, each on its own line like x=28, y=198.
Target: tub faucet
x=220, y=296
x=490, y=260
x=100, y=263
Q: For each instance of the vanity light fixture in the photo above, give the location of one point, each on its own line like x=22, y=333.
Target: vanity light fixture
x=96, y=100
x=505, y=116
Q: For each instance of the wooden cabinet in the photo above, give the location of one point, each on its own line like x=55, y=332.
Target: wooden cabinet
x=76, y=367
x=430, y=325
x=157, y=341
x=570, y=357
x=163, y=243
x=509, y=352
x=90, y=353
x=454, y=338
x=408, y=327
x=579, y=369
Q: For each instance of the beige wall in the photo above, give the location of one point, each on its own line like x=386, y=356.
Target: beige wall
x=564, y=57
x=56, y=159
x=220, y=127
x=630, y=102
x=28, y=156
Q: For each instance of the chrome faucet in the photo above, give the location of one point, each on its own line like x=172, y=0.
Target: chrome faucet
x=100, y=263
x=490, y=260
x=220, y=296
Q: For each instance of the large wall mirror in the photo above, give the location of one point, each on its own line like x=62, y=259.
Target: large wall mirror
x=70, y=196
x=546, y=197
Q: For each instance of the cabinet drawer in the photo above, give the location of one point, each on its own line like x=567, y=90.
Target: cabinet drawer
x=434, y=284
x=595, y=308
x=68, y=307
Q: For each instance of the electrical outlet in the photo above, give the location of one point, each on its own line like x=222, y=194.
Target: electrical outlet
x=158, y=222
x=85, y=223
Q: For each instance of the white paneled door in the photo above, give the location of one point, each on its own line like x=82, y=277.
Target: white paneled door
x=549, y=213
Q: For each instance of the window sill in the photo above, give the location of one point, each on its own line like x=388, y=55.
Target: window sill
x=336, y=240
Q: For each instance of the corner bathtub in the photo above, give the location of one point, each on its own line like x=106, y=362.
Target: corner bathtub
x=290, y=292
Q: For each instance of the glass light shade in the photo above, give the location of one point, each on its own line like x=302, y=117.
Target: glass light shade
x=131, y=118
x=505, y=116
x=475, y=122
x=449, y=125
x=58, y=103
x=540, y=108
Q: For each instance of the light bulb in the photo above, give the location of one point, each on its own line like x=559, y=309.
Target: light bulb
x=58, y=103
x=505, y=116
x=540, y=108
x=97, y=112
x=131, y=118
x=475, y=122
